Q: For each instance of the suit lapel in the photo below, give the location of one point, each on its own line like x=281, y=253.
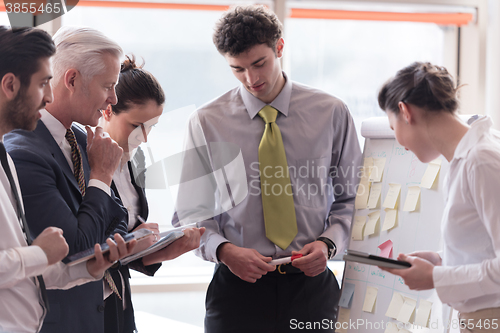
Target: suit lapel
x=57, y=153
x=113, y=187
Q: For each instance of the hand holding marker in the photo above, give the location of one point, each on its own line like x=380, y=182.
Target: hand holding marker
x=285, y=260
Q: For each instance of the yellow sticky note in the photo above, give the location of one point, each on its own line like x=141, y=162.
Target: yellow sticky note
x=412, y=199
x=391, y=200
x=430, y=174
x=406, y=313
x=368, y=166
x=358, y=227
x=390, y=220
x=397, y=302
x=368, y=163
x=377, y=170
x=370, y=299
x=374, y=198
x=371, y=225
x=423, y=313
x=343, y=320
x=391, y=328
x=363, y=191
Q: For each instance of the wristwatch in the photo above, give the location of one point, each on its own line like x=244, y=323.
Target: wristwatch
x=332, y=248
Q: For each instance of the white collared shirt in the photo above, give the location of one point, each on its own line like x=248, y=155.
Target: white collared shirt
x=127, y=192
x=58, y=132
x=469, y=279
x=20, y=309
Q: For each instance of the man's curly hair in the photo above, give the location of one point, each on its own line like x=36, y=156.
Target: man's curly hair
x=243, y=27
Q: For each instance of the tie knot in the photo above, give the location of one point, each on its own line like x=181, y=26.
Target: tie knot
x=269, y=114
x=70, y=136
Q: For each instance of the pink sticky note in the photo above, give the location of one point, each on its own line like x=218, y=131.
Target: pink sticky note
x=386, y=249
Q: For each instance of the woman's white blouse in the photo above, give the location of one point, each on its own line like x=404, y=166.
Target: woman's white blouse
x=469, y=279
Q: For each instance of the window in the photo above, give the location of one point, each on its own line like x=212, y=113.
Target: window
x=349, y=60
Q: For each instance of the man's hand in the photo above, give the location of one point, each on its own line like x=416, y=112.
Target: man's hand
x=52, y=242
x=104, y=155
x=147, y=241
x=418, y=276
x=188, y=242
x=315, y=257
x=248, y=264
x=150, y=226
x=118, y=250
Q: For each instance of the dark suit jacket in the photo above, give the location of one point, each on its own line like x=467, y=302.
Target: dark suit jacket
x=52, y=198
x=117, y=319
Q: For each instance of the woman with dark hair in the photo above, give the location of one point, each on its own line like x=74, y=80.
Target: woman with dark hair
x=140, y=104
x=421, y=103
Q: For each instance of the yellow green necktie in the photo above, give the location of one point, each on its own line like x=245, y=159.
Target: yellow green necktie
x=277, y=194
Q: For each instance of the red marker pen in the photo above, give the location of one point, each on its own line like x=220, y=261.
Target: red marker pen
x=285, y=260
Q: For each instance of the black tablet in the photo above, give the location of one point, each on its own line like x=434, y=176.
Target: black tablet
x=370, y=259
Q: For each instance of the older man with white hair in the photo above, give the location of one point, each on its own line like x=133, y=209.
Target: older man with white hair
x=65, y=175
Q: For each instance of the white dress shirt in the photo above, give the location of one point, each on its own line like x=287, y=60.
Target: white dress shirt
x=20, y=300
x=127, y=191
x=469, y=279
x=58, y=131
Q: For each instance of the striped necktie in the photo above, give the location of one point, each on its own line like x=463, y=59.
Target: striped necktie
x=76, y=158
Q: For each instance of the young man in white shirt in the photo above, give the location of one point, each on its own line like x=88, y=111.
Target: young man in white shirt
x=25, y=270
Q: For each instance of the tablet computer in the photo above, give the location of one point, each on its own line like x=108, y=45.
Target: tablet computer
x=370, y=259
x=89, y=253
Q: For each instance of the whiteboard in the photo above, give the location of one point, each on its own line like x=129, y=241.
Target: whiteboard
x=418, y=230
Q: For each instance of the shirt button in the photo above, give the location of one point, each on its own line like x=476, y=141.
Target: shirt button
x=100, y=308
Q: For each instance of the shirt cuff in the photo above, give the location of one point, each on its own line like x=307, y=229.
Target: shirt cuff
x=80, y=272
x=34, y=260
x=453, y=287
x=97, y=183
x=212, y=245
x=337, y=235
